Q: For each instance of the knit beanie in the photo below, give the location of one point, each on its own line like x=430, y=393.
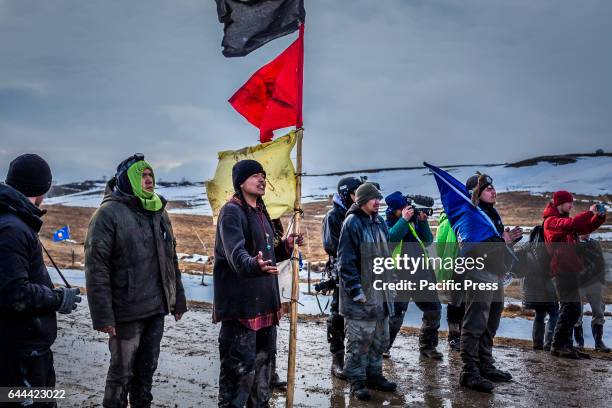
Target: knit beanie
x=29, y=174
x=476, y=185
x=396, y=201
x=562, y=197
x=365, y=193
x=243, y=170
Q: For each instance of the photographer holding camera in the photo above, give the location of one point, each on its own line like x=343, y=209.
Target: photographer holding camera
x=409, y=224
x=332, y=224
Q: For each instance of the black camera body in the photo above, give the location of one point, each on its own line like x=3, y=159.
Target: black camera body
x=425, y=202
x=326, y=285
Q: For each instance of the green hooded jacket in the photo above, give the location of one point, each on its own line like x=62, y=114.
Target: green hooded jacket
x=446, y=247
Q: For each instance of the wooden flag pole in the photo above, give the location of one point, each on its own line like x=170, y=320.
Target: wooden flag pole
x=295, y=284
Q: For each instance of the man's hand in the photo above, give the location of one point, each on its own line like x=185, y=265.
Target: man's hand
x=408, y=212
x=266, y=265
x=595, y=210
x=68, y=299
x=110, y=330
x=178, y=316
x=293, y=239
x=511, y=236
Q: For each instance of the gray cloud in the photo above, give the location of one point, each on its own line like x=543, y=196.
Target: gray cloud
x=386, y=83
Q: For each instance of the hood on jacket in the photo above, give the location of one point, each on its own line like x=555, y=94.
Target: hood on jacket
x=338, y=201
x=443, y=217
x=15, y=202
x=112, y=193
x=551, y=211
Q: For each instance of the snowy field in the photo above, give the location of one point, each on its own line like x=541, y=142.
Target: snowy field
x=589, y=176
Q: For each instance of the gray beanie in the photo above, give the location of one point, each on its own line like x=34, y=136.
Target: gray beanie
x=365, y=193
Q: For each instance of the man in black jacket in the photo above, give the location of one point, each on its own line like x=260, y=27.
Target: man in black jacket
x=246, y=295
x=332, y=224
x=133, y=280
x=483, y=308
x=28, y=301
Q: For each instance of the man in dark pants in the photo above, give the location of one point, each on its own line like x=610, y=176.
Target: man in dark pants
x=332, y=224
x=366, y=311
x=412, y=232
x=133, y=280
x=28, y=301
x=247, y=299
x=561, y=233
x=483, y=308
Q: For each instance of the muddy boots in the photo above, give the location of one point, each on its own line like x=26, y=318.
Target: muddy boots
x=493, y=374
x=579, y=337
x=337, y=368
x=598, y=336
x=380, y=383
x=538, y=335
x=454, y=336
x=471, y=378
x=359, y=390
x=428, y=339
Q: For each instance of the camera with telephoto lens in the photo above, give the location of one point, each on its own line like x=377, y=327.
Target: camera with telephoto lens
x=425, y=201
x=326, y=285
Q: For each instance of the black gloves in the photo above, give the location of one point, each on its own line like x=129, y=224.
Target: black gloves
x=67, y=299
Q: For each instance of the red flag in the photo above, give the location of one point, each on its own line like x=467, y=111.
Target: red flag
x=272, y=98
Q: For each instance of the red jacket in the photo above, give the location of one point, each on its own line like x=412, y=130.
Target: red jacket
x=565, y=230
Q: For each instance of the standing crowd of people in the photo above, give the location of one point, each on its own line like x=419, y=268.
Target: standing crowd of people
x=133, y=281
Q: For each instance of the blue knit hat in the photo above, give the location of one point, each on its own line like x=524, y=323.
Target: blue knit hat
x=396, y=201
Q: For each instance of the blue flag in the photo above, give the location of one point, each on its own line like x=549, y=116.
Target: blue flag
x=61, y=234
x=469, y=222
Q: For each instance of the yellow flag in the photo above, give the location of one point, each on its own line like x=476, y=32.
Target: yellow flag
x=280, y=175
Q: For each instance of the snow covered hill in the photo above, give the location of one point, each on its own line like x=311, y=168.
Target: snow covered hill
x=588, y=175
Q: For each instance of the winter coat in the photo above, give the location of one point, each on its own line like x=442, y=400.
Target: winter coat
x=594, y=263
x=27, y=301
x=131, y=267
x=332, y=224
x=241, y=289
x=538, y=288
x=563, y=231
x=360, y=229
x=446, y=247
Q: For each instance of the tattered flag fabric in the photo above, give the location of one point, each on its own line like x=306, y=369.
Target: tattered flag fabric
x=249, y=24
x=271, y=98
x=280, y=175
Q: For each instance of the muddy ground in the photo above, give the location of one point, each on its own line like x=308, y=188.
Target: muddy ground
x=189, y=367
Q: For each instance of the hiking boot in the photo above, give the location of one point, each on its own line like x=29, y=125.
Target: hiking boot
x=431, y=353
x=564, y=352
x=581, y=355
x=359, y=390
x=598, y=336
x=493, y=374
x=380, y=383
x=579, y=336
x=474, y=381
x=538, y=347
x=277, y=383
x=337, y=368
x=454, y=344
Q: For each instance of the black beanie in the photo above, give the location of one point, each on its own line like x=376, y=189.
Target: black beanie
x=243, y=170
x=30, y=175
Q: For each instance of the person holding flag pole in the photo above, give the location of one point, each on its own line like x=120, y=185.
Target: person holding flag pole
x=272, y=99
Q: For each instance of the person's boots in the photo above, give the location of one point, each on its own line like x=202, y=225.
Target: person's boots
x=598, y=336
x=564, y=351
x=431, y=352
x=359, y=390
x=277, y=383
x=493, y=374
x=579, y=336
x=380, y=383
x=454, y=336
x=473, y=380
x=337, y=368
x=538, y=335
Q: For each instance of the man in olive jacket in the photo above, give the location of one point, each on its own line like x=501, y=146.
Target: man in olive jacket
x=133, y=280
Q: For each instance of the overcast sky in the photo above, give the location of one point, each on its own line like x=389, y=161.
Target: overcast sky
x=387, y=83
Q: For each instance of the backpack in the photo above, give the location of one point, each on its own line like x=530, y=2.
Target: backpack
x=539, y=252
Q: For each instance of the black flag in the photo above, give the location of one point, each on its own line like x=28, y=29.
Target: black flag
x=249, y=24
